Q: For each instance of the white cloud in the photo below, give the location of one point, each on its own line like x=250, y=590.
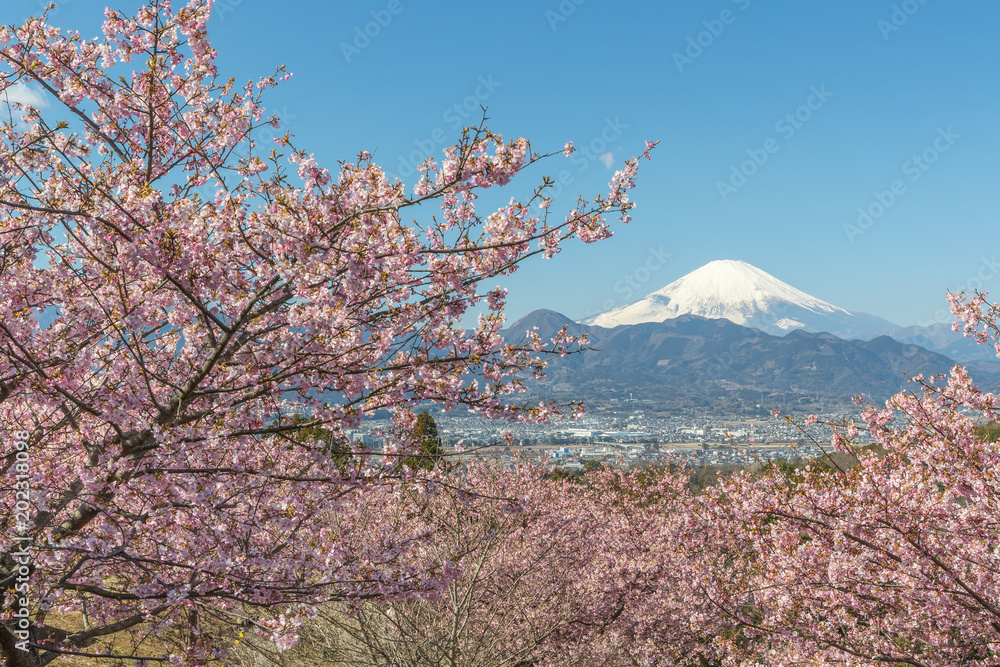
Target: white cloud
x=19, y=93
x=23, y=94
x=607, y=158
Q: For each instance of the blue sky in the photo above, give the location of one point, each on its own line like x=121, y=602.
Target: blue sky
x=777, y=122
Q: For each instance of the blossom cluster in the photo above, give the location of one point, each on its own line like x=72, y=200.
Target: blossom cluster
x=179, y=304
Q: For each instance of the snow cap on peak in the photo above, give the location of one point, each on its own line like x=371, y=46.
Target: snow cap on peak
x=741, y=293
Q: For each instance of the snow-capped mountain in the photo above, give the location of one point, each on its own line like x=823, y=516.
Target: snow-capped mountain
x=745, y=295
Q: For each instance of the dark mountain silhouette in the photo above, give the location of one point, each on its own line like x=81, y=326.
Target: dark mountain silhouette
x=691, y=360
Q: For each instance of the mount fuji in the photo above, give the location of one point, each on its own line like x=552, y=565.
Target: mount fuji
x=745, y=295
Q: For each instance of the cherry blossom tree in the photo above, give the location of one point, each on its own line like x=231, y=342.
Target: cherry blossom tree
x=662, y=570
x=518, y=542
x=549, y=572
x=178, y=302
x=889, y=560
x=894, y=560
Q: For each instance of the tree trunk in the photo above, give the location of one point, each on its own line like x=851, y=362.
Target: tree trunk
x=12, y=650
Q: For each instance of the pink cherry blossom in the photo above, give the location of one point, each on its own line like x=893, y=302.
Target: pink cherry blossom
x=217, y=321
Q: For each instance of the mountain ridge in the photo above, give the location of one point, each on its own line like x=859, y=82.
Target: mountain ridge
x=692, y=361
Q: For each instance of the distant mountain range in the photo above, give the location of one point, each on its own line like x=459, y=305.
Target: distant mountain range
x=692, y=361
x=748, y=296
x=732, y=332
x=943, y=339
